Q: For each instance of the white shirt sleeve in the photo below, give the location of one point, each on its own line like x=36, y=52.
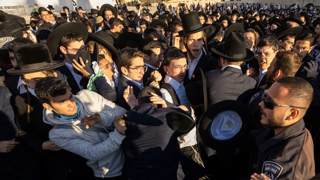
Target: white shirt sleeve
x=166, y=95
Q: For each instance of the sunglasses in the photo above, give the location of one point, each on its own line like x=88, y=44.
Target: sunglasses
x=270, y=104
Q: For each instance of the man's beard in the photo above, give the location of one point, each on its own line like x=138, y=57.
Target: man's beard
x=274, y=124
x=270, y=80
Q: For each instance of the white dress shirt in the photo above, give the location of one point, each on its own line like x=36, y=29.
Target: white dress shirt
x=193, y=65
x=262, y=73
x=139, y=85
x=233, y=66
x=188, y=139
x=76, y=76
x=21, y=87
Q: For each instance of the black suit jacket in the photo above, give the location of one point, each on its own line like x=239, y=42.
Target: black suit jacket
x=229, y=84
x=104, y=89
x=206, y=64
x=147, y=74
x=122, y=85
x=65, y=74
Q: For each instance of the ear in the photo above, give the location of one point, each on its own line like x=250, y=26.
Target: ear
x=47, y=106
x=294, y=113
x=63, y=49
x=280, y=42
x=124, y=70
x=278, y=74
x=146, y=58
x=165, y=69
x=311, y=48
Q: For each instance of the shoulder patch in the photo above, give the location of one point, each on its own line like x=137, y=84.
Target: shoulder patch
x=271, y=169
x=254, y=97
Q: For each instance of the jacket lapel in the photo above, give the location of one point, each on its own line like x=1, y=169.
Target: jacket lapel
x=64, y=73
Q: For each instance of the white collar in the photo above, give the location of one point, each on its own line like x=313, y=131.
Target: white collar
x=150, y=66
x=140, y=85
x=174, y=83
x=19, y=83
x=195, y=60
x=262, y=72
x=69, y=66
x=233, y=66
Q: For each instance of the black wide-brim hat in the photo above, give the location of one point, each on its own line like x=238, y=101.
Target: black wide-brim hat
x=180, y=122
x=286, y=29
x=159, y=22
x=33, y=58
x=126, y=37
x=295, y=17
x=224, y=125
x=235, y=27
x=94, y=11
x=108, y=7
x=62, y=30
x=98, y=39
x=233, y=48
x=191, y=24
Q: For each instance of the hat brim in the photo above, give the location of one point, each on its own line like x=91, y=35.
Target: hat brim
x=207, y=119
x=125, y=37
x=218, y=50
x=54, y=65
x=205, y=26
x=104, y=43
x=108, y=7
x=64, y=29
x=159, y=22
x=179, y=122
x=292, y=19
x=295, y=30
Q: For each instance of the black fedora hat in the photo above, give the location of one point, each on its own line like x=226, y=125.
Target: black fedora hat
x=50, y=7
x=259, y=27
x=191, y=24
x=62, y=30
x=128, y=38
x=108, y=7
x=286, y=29
x=159, y=22
x=224, y=125
x=33, y=58
x=13, y=27
x=275, y=21
x=180, y=122
x=94, y=11
x=235, y=27
x=233, y=48
x=104, y=42
x=295, y=17
x=224, y=17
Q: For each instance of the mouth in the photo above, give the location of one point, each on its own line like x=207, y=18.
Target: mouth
x=262, y=113
x=182, y=76
x=196, y=51
x=263, y=63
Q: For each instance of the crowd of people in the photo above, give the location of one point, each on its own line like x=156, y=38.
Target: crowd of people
x=221, y=91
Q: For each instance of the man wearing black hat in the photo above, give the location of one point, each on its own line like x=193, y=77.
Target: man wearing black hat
x=194, y=41
x=35, y=63
x=294, y=19
x=94, y=12
x=285, y=146
x=286, y=36
x=44, y=14
x=107, y=11
x=51, y=8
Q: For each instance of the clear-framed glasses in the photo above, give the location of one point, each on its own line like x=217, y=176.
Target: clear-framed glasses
x=75, y=50
x=139, y=69
x=179, y=68
x=29, y=81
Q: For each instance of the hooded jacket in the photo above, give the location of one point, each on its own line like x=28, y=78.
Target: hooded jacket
x=102, y=150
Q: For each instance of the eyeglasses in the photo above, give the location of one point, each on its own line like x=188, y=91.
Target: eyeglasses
x=109, y=64
x=29, y=81
x=139, y=69
x=179, y=68
x=298, y=48
x=259, y=54
x=83, y=48
x=270, y=104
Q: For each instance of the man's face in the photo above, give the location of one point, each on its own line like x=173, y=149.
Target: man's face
x=178, y=28
x=45, y=16
x=107, y=67
x=119, y=28
x=147, y=18
x=287, y=44
x=224, y=23
x=302, y=48
x=131, y=29
x=72, y=49
x=202, y=19
x=273, y=27
x=250, y=39
x=143, y=27
x=293, y=24
x=64, y=104
x=234, y=17
x=13, y=59
x=177, y=69
x=136, y=70
x=303, y=19
x=317, y=30
x=270, y=73
x=108, y=15
x=195, y=44
x=265, y=56
x=51, y=18
x=160, y=30
x=275, y=118
x=66, y=11
x=156, y=57
x=31, y=79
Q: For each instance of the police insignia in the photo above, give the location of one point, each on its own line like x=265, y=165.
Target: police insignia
x=271, y=169
x=254, y=97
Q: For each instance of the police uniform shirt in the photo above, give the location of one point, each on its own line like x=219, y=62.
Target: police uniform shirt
x=287, y=155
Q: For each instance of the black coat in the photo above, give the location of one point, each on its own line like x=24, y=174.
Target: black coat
x=147, y=75
x=206, y=64
x=64, y=73
x=122, y=85
x=151, y=148
x=104, y=89
x=302, y=72
x=21, y=162
x=229, y=84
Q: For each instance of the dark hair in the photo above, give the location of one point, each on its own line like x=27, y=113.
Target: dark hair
x=145, y=94
x=65, y=7
x=300, y=91
x=71, y=37
x=268, y=41
x=172, y=54
x=125, y=57
x=144, y=22
x=42, y=34
x=18, y=42
x=305, y=36
x=49, y=87
x=147, y=49
x=288, y=62
x=88, y=22
x=41, y=9
x=114, y=22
